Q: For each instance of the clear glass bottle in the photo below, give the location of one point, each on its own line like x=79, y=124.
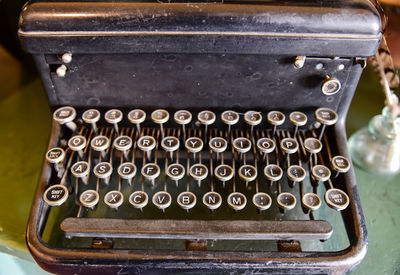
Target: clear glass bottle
x=376, y=147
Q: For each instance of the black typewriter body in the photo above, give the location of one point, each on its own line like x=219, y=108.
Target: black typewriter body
x=270, y=57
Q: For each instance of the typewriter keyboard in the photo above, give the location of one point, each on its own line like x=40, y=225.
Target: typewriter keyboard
x=138, y=175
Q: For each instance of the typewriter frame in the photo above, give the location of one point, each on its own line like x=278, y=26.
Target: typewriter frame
x=88, y=261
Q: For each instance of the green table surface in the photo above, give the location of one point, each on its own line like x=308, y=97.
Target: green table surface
x=25, y=125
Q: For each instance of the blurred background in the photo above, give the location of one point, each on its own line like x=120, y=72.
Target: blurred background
x=25, y=125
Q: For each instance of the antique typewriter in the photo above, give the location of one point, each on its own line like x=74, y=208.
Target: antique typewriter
x=201, y=137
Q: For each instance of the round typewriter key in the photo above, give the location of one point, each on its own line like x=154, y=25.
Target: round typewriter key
x=206, y=118
x=223, y=172
x=100, y=144
x=194, y=145
x=137, y=116
x=160, y=117
x=66, y=115
x=89, y=198
x=103, y=170
x=146, y=144
x=81, y=170
x=162, y=200
x=286, y=201
x=199, y=172
x=114, y=199
x=91, y=116
x=241, y=145
x=138, y=199
x=114, y=116
x=218, y=144
x=289, y=145
x=311, y=201
x=262, y=201
x=55, y=195
x=230, y=117
x=150, y=171
x=123, y=144
x=212, y=200
x=237, y=201
x=170, y=144
x=265, y=146
x=77, y=143
x=312, y=145
x=186, y=200
x=252, y=118
x=247, y=173
x=127, y=171
x=296, y=173
x=56, y=155
x=176, y=172
x=336, y=199
x=273, y=172
x=183, y=117
x=330, y=86
x=321, y=173
x=325, y=116
x=298, y=119
x=340, y=164
x=275, y=118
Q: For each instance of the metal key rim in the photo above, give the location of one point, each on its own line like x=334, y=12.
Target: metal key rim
x=186, y=206
x=131, y=174
x=141, y=119
x=65, y=120
x=308, y=206
x=230, y=122
x=212, y=206
x=162, y=206
x=83, y=173
x=59, y=201
x=259, y=206
x=116, y=204
x=229, y=175
x=334, y=205
x=285, y=206
x=91, y=204
x=138, y=205
x=113, y=120
x=92, y=119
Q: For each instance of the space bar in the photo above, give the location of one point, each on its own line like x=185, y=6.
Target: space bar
x=197, y=229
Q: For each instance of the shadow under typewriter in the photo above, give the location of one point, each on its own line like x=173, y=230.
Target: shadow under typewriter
x=247, y=188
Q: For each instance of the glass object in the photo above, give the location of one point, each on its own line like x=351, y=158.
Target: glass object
x=376, y=147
